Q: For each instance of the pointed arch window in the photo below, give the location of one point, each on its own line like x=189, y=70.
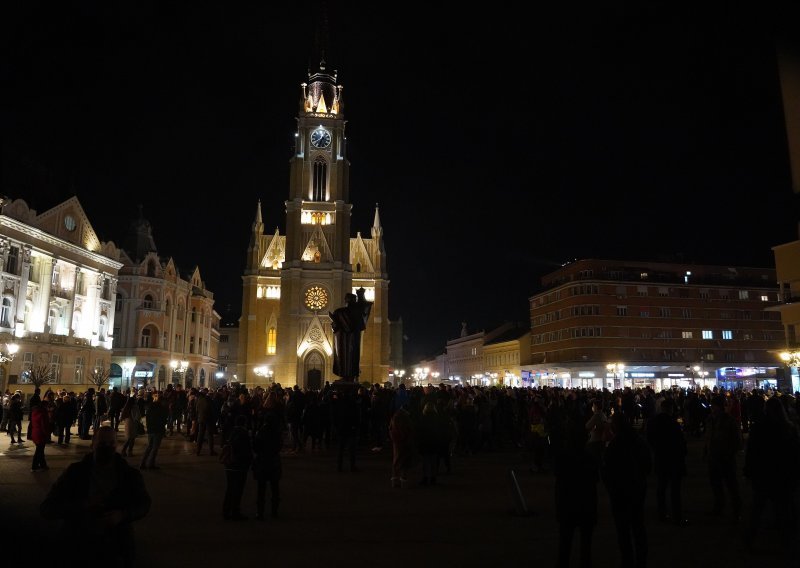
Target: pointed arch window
x=320, y=179
x=272, y=341
x=147, y=303
x=145, y=342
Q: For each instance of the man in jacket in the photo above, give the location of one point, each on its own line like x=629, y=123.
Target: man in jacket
x=156, y=423
x=667, y=441
x=99, y=498
x=206, y=419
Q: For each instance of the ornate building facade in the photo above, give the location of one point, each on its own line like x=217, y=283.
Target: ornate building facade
x=167, y=330
x=58, y=288
x=292, y=281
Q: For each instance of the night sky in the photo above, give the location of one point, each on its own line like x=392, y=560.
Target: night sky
x=499, y=144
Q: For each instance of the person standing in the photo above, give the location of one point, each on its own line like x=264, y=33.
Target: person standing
x=156, y=421
x=267, y=467
x=206, y=420
x=241, y=450
x=401, y=433
x=576, y=469
x=87, y=413
x=64, y=417
x=626, y=464
x=115, y=403
x=772, y=464
x=15, y=418
x=668, y=443
x=723, y=442
x=131, y=418
x=40, y=434
x=99, y=498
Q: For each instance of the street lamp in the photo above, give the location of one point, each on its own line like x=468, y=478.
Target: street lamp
x=178, y=368
x=398, y=375
x=7, y=353
x=790, y=359
x=264, y=371
x=617, y=369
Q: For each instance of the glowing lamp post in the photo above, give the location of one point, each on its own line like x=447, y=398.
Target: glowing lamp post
x=7, y=354
x=264, y=371
x=178, y=368
x=618, y=370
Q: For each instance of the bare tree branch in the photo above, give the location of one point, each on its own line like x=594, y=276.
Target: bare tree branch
x=99, y=377
x=41, y=374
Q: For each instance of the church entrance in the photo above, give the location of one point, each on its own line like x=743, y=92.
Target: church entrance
x=314, y=366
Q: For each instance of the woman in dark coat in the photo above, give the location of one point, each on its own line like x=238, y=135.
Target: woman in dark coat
x=267, y=460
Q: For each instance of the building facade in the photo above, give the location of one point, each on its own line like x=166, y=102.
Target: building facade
x=292, y=281
x=58, y=291
x=167, y=330
x=606, y=323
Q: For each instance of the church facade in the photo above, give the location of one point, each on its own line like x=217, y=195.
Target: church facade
x=293, y=281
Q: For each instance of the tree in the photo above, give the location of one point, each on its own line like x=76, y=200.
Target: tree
x=40, y=374
x=99, y=377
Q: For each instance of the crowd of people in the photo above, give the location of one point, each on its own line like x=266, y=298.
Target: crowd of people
x=582, y=437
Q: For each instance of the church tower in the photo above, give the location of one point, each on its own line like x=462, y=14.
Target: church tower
x=293, y=281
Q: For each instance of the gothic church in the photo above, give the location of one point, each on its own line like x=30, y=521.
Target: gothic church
x=291, y=282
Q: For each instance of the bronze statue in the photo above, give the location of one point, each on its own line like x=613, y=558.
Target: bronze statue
x=347, y=323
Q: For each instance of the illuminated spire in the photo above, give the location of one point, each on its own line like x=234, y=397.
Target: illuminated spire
x=258, y=225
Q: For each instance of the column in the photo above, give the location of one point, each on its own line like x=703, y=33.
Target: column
x=71, y=304
x=42, y=303
x=24, y=277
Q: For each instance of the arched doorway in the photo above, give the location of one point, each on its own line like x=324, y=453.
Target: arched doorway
x=314, y=370
x=189, y=378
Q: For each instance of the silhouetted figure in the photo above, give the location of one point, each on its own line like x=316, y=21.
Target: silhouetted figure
x=267, y=467
x=347, y=324
x=723, y=442
x=626, y=464
x=98, y=499
x=667, y=441
x=772, y=464
x=576, y=476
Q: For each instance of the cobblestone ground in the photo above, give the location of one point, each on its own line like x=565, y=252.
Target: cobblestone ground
x=357, y=519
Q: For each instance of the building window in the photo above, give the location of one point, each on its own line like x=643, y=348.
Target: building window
x=118, y=304
x=663, y=291
x=13, y=260
x=622, y=310
x=644, y=314
x=272, y=337
x=744, y=294
x=708, y=334
x=194, y=315
x=727, y=334
x=147, y=303
x=664, y=312
x=724, y=294
x=320, y=179
x=145, y=340
x=51, y=320
x=5, y=313
x=223, y=339
x=641, y=290
x=101, y=330
x=643, y=276
x=686, y=313
x=55, y=368
x=705, y=294
x=191, y=342
x=686, y=335
x=621, y=292
x=79, y=363
x=765, y=298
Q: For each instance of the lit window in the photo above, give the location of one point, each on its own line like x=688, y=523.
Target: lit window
x=765, y=298
x=744, y=294
x=686, y=334
x=708, y=334
x=5, y=311
x=727, y=334
x=272, y=341
x=369, y=293
x=145, y=340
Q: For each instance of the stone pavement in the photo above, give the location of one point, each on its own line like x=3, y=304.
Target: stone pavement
x=356, y=519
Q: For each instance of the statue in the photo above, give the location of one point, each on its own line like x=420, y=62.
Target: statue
x=347, y=323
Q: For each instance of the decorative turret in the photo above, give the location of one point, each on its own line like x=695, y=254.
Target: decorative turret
x=139, y=241
x=377, y=229
x=321, y=95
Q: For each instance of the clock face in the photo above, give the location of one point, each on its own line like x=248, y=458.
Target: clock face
x=320, y=138
x=316, y=298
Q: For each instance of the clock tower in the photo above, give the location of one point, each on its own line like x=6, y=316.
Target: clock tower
x=293, y=281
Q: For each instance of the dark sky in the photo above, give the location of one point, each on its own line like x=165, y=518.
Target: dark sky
x=498, y=143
